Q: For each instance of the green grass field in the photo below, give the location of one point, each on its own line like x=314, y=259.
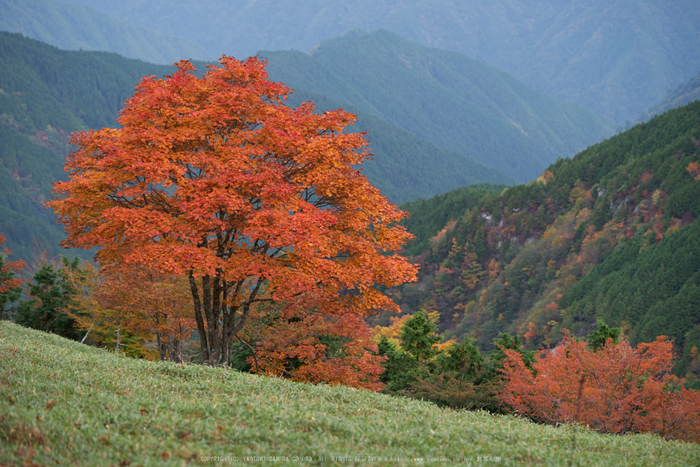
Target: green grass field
x=62, y=402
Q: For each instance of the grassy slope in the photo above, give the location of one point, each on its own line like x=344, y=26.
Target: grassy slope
x=64, y=402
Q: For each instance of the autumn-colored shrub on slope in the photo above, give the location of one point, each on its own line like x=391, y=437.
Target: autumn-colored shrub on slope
x=615, y=389
x=10, y=285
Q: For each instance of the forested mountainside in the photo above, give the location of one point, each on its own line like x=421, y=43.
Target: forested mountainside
x=446, y=98
x=72, y=27
x=616, y=58
x=611, y=234
x=47, y=93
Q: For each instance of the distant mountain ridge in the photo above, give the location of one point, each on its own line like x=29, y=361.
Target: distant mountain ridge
x=72, y=27
x=405, y=167
x=615, y=57
x=682, y=95
x=443, y=97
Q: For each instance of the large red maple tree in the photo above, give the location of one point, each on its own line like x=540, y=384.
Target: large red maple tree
x=257, y=203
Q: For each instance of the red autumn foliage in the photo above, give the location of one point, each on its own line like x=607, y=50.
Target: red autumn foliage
x=255, y=203
x=316, y=347
x=694, y=170
x=532, y=333
x=618, y=389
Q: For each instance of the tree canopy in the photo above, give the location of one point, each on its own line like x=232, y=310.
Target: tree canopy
x=214, y=178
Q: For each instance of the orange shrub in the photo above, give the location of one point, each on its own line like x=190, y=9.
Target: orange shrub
x=618, y=389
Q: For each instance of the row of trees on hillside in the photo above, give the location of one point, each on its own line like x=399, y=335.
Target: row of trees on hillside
x=142, y=313
x=131, y=310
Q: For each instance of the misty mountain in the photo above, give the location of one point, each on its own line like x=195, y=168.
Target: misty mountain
x=445, y=98
x=74, y=27
x=615, y=57
x=682, y=95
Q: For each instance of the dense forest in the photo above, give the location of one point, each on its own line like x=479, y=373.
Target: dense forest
x=45, y=94
x=610, y=234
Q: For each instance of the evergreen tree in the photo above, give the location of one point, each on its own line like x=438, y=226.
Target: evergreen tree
x=418, y=336
x=598, y=338
x=400, y=368
x=51, y=294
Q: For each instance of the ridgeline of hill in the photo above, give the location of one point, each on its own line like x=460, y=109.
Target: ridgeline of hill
x=611, y=234
x=616, y=58
x=47, y=93
x=446, y=98
x=62, y=402
x=682, y=95
x=72, y=27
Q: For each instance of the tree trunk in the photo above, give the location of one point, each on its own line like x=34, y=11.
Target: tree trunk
x=88, y=331
x=203, y=339
x=162, y=353
x=223, y=322
x=176, y=351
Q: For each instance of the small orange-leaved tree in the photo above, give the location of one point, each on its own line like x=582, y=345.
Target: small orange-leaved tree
x=315, y=347
x=103, y=324
x=132, y=307
x=615, y=389
x=256, y=203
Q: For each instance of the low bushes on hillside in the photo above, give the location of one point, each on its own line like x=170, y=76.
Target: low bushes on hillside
x=613, y=389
